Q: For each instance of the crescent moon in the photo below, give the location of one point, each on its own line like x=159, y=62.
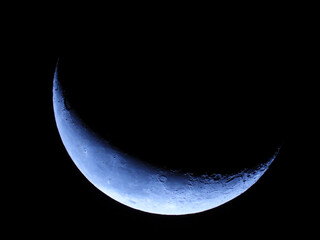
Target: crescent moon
x=137, y=184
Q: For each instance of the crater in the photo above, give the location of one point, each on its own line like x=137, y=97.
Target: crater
x=162, y=178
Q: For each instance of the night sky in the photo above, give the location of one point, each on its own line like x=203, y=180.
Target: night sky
x=196, y=110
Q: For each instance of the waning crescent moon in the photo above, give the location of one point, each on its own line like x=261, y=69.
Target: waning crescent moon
x=137, y=184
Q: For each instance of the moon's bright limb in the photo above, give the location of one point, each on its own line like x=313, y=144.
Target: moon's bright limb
x=137, y=184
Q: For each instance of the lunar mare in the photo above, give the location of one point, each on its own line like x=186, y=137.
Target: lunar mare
x=140, y=185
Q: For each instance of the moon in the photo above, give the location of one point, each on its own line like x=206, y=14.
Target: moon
x=138, y=184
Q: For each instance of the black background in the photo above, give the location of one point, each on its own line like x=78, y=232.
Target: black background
x=229, y=99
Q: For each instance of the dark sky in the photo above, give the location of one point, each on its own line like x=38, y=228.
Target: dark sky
x=235, y=103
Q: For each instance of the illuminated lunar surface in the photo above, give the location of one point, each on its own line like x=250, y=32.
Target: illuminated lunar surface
x=137, y=184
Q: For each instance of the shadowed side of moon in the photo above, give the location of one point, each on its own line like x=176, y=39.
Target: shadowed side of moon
x=139, y=184
x=151, y=113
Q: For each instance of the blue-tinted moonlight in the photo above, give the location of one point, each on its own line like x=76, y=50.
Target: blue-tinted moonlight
x=135, y=183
